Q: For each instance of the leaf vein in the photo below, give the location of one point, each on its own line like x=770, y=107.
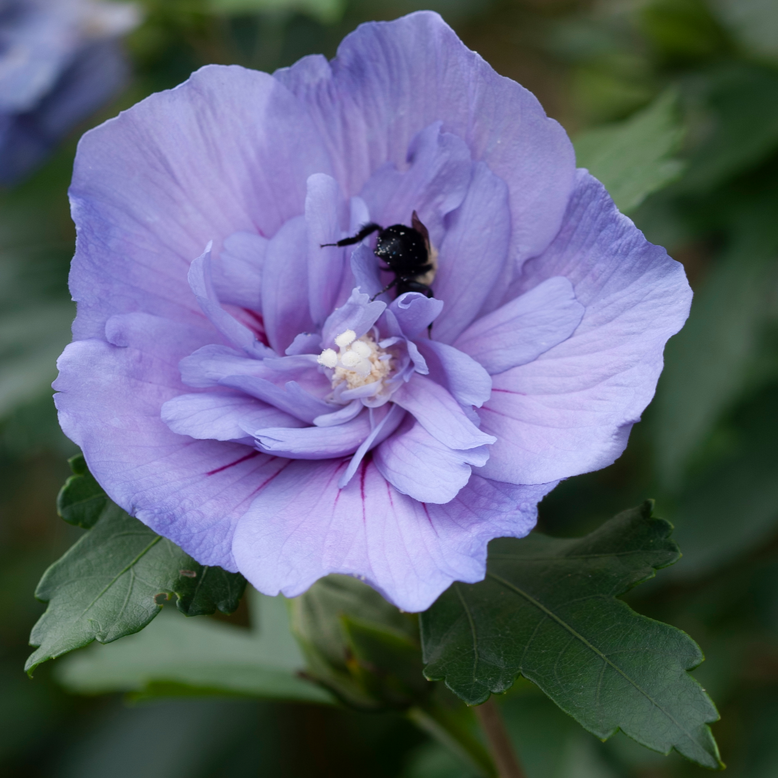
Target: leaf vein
x=113, y=580
x=591, y=647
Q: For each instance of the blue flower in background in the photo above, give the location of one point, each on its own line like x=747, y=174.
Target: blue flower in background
x=59, y=62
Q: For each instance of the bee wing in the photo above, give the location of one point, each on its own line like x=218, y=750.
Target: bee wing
x=419, y=227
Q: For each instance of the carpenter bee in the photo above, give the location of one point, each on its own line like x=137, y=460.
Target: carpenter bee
x=407, y=253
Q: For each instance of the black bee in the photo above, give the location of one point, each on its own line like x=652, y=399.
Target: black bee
x=406, y=252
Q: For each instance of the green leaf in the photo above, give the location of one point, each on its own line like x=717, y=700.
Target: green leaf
x=81, y=501
x=635, y=157
x=708, y=364
x=753, y=22
x=548, y=610
x=177, y=657
x=729, y=507
x=31, y=339
x=681, y=30
x=115, y=579
x=327, y=11
x=739, y=126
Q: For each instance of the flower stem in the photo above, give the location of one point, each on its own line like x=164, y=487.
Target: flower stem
x=499, y=742
x=446, y=728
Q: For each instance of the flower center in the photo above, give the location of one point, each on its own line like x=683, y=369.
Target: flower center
x=358, y=361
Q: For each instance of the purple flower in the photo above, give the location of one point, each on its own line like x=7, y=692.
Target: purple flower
x=59, y=62
x=251, y=395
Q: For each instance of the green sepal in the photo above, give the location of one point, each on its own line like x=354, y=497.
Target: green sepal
x=358, y=646
x=387, y=662
x=547, y=610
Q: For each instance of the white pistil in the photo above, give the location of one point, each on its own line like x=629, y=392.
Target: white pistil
x=359, y=361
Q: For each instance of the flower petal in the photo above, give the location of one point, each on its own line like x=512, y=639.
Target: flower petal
x=285, y=382
x=325, y=215
x=302, y=527
x=237, y=272
x=168, y=341
x=358, y=314
x=197, y=163
x=464, y=378
x=236, y=333
x=418, y=465
x=291, y=397
x=295, y=524
x=285, y=308
x=414, y=312
x=314, y=442
x=222, y=416
x=440, y=414
x=343, y=414
x=526, y=327
x=305, y=343
x=191, y=491
x=473, y=267
x=381, y=430
x=433, y=182
x=391, y=80
x=365, y=269
x=570, y=411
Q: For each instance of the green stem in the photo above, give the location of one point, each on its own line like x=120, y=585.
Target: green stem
x=446, y=728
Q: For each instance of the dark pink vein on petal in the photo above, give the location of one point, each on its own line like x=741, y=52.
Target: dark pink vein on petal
x=256, y=323
x=270, y=478
x=248, y=456
x=365, y=462
x=429, y=518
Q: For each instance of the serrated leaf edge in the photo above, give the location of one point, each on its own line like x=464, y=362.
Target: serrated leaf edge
x=646, y=510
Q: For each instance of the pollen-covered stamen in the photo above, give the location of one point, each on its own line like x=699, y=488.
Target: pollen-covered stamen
x=358, y=361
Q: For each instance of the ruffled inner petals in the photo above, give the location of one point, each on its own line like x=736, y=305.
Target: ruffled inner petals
x=201, y=282
x=464, y=378
x=222, y=416
x=285, y=309
x=359, y=314
x=314, y=442
x=237, y=272
x=526, y=327
x=474, y=268
x=442, y=416
x=434, y=183
x=570, y=410
x=292, y=384
x=325, y=216
x=414, y=312
x=419, y=465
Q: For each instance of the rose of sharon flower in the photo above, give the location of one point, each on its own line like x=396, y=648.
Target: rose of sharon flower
x=252, y=396
x=59, y=61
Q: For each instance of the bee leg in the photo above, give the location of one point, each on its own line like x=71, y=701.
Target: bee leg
x=364, y=231
x=385, y=289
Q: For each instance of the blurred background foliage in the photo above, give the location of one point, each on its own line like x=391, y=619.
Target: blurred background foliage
x=696, y=77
